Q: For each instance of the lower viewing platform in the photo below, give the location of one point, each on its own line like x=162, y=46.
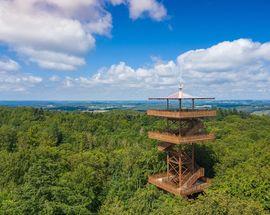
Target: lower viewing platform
x=176, y=139
x=183, y=114
x=162, y=182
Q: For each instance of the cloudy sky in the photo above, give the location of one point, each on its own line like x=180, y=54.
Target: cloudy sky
x=133, y=49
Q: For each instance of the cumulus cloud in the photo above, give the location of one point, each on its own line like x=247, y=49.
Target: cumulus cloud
x=7, y=64
x=140, y=8
x=150, y=7
x=56, y=34
x=240, y=67
x=11, y=79
x=123, y=76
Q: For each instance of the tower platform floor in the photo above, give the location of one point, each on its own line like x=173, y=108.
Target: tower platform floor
x=177, y=139
x=183, y=114
x=162, y=182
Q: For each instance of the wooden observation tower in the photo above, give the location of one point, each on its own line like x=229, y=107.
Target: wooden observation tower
x=184, y=129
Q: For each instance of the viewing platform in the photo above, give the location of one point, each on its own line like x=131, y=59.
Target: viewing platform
x=183, y=114
x=162, y=182
x=177, y=139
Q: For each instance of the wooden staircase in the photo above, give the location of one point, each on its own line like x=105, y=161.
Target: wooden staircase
x=194, y=177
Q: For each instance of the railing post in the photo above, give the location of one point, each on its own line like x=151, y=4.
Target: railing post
x=167, y=118
x=168, y=167
x=193, y=158
x=180, y=169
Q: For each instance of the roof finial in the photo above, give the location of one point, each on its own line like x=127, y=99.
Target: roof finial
x=181, y=86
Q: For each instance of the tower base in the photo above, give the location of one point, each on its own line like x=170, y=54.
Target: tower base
x=162, y=181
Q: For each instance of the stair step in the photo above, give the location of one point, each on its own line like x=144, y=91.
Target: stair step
x=163, y=146
x=193, y=178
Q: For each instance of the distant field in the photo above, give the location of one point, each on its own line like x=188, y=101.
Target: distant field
x=263, y=112
x=250, y=106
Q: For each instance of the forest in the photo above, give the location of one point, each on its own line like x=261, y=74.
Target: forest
x=56, y=162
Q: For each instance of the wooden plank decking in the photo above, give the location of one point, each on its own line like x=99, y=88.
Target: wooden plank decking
x=182, y=114
x=161, y=181
x=171, y=138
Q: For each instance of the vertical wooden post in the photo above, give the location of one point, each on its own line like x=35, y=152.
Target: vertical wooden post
x=168, y=167
x=193, y=104
x=167, y=118
x=180, y=107
x=179, y=128
x=180, y=169
x=193, y=158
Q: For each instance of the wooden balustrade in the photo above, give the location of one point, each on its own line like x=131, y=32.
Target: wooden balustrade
x=161, y=181
x=182, y=114
x=194, y=189
x=177, y=139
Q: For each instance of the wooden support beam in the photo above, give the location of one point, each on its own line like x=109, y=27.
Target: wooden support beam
x=180, y=170
x=193, y=158
x=168, y=167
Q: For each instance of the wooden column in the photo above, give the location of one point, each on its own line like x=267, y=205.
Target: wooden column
x=167, y=109
x=193, y=103
x=193, y=158
x=168, y=166
x=180, y=169
x=180, y=107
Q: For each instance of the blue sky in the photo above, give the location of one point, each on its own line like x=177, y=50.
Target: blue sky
x=131, y=49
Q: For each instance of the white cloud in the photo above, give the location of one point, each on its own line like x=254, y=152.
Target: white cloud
x=54, y=78
x=123, y=76
x=240, y=68
x=43, y=30
x=7, y=64
x=240, y=64
x=152, y=8
x=53, y=60
x=11, y=79
x=141, y=8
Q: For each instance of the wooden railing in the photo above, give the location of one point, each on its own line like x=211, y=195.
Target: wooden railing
x=193, y=178
x=182, y=114
x=160, y=181
x=162, y=146
x=195, y=189
x=176, y=139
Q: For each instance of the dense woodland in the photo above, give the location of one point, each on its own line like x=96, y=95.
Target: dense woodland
x=85, y=163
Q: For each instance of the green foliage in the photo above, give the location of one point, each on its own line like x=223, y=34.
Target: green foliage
x=85, y=163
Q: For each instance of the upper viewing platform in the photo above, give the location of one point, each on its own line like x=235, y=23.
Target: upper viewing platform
x=182, y=114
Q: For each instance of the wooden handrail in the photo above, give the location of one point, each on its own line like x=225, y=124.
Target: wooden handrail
x=182, y=114
x=195, y=188
x=177, y=139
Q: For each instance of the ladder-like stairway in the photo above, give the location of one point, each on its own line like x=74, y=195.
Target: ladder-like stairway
x=194, y=177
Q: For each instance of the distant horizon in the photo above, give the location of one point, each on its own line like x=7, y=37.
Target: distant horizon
x=104, y=100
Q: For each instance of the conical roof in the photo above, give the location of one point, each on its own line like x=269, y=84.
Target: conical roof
x=179, y=95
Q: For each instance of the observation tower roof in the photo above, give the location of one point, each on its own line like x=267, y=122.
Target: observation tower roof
x=180, y=95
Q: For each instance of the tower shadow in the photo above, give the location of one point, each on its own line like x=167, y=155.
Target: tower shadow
x=206, y=157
